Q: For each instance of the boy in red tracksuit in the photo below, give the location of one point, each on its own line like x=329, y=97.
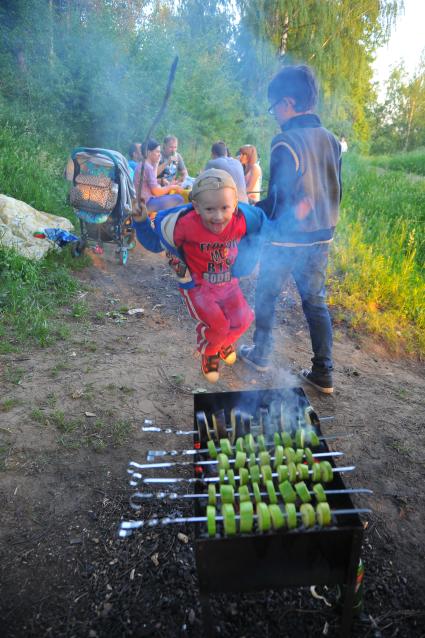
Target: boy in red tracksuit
x=203, y=237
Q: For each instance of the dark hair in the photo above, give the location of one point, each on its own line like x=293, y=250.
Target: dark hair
x=169, y=138
x=297, y=82
x=133, y=149
x=219, y=149
x=150, y=145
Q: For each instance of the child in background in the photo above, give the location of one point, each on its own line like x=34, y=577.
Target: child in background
x=203, y=239
x=248, y=157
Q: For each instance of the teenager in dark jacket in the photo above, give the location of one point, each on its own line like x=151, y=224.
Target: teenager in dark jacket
x=303, y=207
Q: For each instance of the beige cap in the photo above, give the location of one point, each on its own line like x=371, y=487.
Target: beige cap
x=212, y=179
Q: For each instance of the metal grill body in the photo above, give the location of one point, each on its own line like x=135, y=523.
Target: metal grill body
x=300, y=557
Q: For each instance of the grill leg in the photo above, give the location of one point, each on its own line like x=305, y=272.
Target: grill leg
x=347, y=610
x=207, y=619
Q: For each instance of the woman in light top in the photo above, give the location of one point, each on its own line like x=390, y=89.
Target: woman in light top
x=156, y=197
x=253, y=174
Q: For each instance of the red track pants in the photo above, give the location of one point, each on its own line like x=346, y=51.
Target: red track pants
x=221, y=312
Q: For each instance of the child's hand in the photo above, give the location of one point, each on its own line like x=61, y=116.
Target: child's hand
x=140, y=213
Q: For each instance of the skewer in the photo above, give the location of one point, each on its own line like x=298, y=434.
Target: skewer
x=154, y=428
x=138, y=478
x=127, y=527
x=152, y=454
x=175, y=496
x=146, y=466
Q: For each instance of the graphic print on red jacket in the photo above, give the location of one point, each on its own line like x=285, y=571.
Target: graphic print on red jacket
x=209, y=257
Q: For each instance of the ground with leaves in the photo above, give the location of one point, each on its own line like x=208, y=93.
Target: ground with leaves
x=70, y=421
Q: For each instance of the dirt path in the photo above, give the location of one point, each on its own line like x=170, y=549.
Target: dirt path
x=70, y=421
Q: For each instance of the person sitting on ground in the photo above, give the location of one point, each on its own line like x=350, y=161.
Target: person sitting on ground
x=135, y=155
x=221, y=160
x=210, y=242
x=154, y=196
x=171, y=166
x=252, y=170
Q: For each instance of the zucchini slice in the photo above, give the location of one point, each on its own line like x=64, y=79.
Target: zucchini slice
x=229, y=519
x=314, y=439
x=211, y=522
x=308, y=414
x=299, y=455
x=323, y=513
x=226, y=447
x=252, y=459
x=257, y=493
x=278, y=456
x=223, y=461
x=246, y=521
x=219, y=424
x=276, y=438
x=227, y=494
x=308, y=515
x=231, y=478
x=249, y=443
x=302, y=491
x=300, y=438
x=302, y=470
x=236, y=423
x=319, y=493
x=240, y=460
x=222, y=475
x=291, y=515
x=326, y=471
x=308, y=456
x=212, y=494
x=276, y=514
x=282, y=473
x=254, y=473
x=212, y=449
x=263, y=520
x=292, y=472
x=289, y=454
x=203, y=428
x=239, y=445
x=264, y=458
x=243, y=476
x=288, y=493
x=271, y=492
x=286, y=439
x=261, y=442
x=316, y=473
x=266, y=473
x=244, y=494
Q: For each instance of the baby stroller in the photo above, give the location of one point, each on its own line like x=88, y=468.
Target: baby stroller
x=101, y=194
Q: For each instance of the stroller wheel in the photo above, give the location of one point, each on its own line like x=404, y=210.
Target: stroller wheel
x=78, y=248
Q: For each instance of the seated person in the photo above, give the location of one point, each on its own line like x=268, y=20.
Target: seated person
x=155, y=197
x=252, y=170
x=171, y=165
x=219, y=159
x=135, y=155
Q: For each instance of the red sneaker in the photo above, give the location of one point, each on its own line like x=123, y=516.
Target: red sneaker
x=209, y=366
x=228, y=354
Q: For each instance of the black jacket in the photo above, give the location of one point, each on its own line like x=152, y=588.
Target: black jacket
x=305, y=182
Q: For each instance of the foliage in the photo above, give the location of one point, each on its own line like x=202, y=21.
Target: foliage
x=413, y=162
x=379, y=253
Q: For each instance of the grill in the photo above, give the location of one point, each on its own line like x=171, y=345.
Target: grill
x=276, y=559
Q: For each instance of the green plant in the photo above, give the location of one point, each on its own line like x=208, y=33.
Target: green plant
x=9, y=404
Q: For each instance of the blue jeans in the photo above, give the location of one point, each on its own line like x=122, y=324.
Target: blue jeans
x=307, y=265
x=164, y=201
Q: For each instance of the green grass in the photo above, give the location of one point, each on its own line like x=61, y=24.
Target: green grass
x=412, y=162
x=378, y=257
x=9, y=404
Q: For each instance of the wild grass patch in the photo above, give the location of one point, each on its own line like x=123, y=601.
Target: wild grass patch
x=412, y=162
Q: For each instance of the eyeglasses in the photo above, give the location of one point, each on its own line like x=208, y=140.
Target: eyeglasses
x=271, y=108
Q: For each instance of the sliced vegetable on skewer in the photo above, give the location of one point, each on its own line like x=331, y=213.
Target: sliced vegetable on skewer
x=326, y=471
x=263, y=517
x=229, y=520
x=302, y=491
x=226, y=447
x=308, y=515
x=246, y=513
x=211, y=520
x=271, y=492
x=323, y=513
x=203, y=427
x=288, y=493
x=257, y=493
x=319, y=493
x=291, y=515
x=227, y=494
x=277, y=517
x=212, y=450
x=231, y=477
x=212, y=494
x=219, y=424
x=244, y=494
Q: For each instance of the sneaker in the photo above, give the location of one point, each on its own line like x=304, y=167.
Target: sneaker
x=251, y=356
x=321, y=383
x=228, y=354
x=209, y=366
